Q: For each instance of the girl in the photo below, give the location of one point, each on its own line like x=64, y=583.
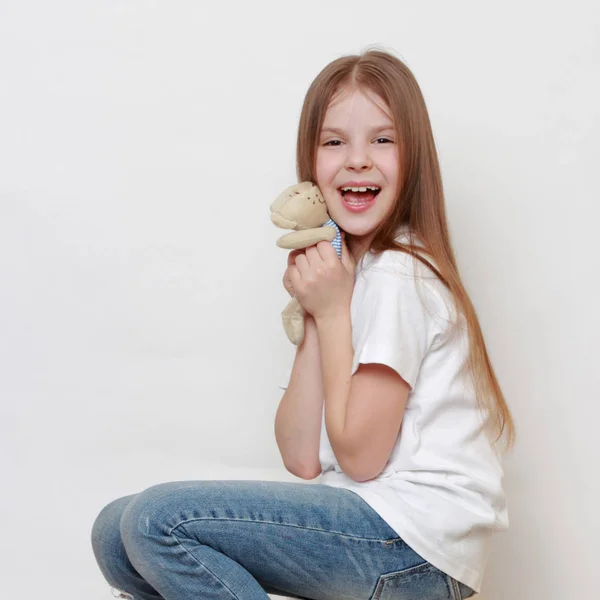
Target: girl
x=391, y=398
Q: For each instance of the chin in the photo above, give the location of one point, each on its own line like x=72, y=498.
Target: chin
x=356, y=225
x=355, y=230
x=361, y=233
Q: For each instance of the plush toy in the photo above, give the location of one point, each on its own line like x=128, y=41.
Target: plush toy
x=301, y=207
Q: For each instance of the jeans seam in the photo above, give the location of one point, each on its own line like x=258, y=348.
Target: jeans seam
x=354, y=537
x=456, y=593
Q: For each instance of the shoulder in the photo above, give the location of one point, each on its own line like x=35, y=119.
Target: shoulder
x=395, y=272
x=397, y=317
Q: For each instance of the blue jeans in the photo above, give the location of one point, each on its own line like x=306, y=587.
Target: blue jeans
x=239, y=540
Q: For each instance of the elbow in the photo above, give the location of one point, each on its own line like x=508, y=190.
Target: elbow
x=359, y=476
x=304, y=472
x=310, y=471
x=359, y=470
x=309, y=474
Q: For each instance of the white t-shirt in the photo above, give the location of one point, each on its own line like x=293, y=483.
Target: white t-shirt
x=441, y=489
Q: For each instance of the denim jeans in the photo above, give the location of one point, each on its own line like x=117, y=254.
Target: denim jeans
x=242, y=540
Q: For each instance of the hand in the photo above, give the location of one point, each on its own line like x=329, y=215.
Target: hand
x=323, y=284
x=291, y=261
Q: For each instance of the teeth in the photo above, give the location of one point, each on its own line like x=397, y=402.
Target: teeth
x=360, y=189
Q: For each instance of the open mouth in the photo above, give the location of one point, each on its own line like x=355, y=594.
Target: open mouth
x=358, y=200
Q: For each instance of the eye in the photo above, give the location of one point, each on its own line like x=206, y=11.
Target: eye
x=337, y=142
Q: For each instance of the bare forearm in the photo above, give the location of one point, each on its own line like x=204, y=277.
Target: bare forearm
x=298, y=418
x=335, y=342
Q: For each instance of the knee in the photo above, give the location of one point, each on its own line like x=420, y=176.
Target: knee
x=148, y=517
x=105, y=533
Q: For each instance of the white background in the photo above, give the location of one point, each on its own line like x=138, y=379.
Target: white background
x=141, y=144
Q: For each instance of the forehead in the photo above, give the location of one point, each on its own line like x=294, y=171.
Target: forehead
x=356, y=102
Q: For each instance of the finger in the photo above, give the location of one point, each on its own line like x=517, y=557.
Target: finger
x=327, y=253
x=312, y=255
x=288, y=285
x=294, y=276
x=292, y=256
x=286, y=273
x=302, y=265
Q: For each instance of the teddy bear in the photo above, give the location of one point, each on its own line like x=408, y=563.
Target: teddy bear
x=301, y=207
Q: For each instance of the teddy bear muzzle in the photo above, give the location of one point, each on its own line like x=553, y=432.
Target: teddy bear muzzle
x=282, y=222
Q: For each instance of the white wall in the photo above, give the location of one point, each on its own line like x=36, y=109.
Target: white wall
x=141, y=144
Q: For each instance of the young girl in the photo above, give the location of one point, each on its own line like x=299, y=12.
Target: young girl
x=391, y=400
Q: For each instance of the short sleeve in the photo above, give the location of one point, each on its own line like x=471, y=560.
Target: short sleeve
x=285, y=381
x=394, y=323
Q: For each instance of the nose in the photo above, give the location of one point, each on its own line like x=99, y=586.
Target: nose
x=358, y=158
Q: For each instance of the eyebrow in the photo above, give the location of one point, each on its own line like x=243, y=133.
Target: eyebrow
x=373, y=130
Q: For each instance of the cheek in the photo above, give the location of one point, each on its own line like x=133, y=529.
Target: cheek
x=393, y=167
x=320, y=174
x=325, y=167
x=332, y=205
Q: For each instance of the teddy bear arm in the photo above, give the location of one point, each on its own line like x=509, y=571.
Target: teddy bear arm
x=306, y=237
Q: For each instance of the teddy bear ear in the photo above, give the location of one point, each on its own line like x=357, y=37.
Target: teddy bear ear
x=300, y=188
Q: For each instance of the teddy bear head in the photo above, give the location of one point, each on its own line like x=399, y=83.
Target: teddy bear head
x=300, y=206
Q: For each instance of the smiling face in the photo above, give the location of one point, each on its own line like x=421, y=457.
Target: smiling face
x=358, y=143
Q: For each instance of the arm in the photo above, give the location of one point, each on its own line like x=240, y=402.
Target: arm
x=306, y=237
x=363, y=413
x=298, y=418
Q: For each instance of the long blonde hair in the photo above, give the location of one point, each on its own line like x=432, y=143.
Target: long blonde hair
x=420, y=204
